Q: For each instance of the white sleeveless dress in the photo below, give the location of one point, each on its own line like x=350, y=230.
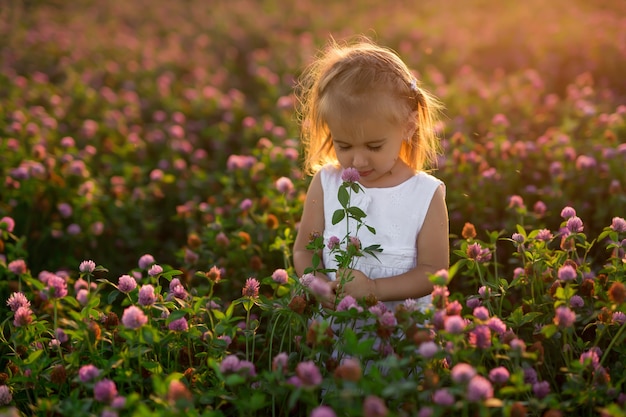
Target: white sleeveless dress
x=396, y=213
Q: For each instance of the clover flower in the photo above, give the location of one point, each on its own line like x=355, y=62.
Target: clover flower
x=544, y=235
x=333, y=242
x=306, y=280
x=349, y=370
x=251, y=288
x=618, y=224
x=177, y=290
x=454, y=324
x=87, y=266
x=462, y=372
x=214, y=274
x=82, y=296
x=320, y=287
x=473, y=302
x=517, y=344
x=118, y=402
x=443, y=397
x=440, y=296
x=619, y=318
x=245, y=204
x=147, y=296
x=439, y=319
x=530, y=376
x=88, y=372
x=309, y=374
x=178, y=391
x=9, y=223
x=576, y=301
x=479, y=388
x=23, y=317
x=591, y=358
x=518, y=238
x=575, y=224
x=564, y=317
x=18, y=266
x=425, y=412
x=516, y=201
x=478, y=253
x=428, y=349
x=568, y=212
x=354, y=241
x=567, y=273
x=134, y=317
x=469, y=231
x=484, y=292
x=378, y=309
x=350, y=175
x=5, y=395
x=540, y=208
x=61, y=335
x=280, y=276
x=481, y=313
x=146, y=261
x=284, y=185
x=348, y=302
x=126, y=283
x=105, y=391
x=155, y=270
x=499, y=375
x=374, y=406
x=56, y=287
x=388, y=319
x=480, y=337
x=230, y=364
x=454, y=308
x=323, y=411
x=541, y=389
x=279, y=363
x=179, y=325
x=17, y=300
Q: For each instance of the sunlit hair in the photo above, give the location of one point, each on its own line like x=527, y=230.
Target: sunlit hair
x=347, y=76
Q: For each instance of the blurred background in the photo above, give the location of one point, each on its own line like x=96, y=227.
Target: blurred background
x=157, y=96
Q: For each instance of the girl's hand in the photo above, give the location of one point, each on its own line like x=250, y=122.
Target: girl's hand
x=356, y=283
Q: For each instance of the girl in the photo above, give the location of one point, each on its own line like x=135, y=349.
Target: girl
x=361, y=108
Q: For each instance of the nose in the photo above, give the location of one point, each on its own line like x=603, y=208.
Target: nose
x=359, y=160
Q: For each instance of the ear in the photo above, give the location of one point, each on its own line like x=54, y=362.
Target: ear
x=411, y=124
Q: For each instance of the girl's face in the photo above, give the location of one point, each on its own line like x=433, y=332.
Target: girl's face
x=370, y=142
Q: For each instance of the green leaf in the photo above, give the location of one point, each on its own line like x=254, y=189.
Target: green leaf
x=234, y=379
x=549, y=330
x=169, y=274
x=356, y=213
x=256, y=402
x=175, y=315
x=33, y=357
x=338, y=216
x=112, y=296
x=343, y=197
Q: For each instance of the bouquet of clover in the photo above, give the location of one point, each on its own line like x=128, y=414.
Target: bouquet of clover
x=348, y=249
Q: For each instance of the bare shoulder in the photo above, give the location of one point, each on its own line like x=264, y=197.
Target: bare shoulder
x=312, y=220
x=438, y=209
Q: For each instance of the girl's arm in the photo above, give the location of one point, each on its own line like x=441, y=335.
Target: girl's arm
x=312, y=221
x=433, y=254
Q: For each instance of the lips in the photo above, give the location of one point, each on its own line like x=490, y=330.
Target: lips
x=365, y=173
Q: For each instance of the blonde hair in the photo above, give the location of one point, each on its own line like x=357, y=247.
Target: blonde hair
x=346, y=74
